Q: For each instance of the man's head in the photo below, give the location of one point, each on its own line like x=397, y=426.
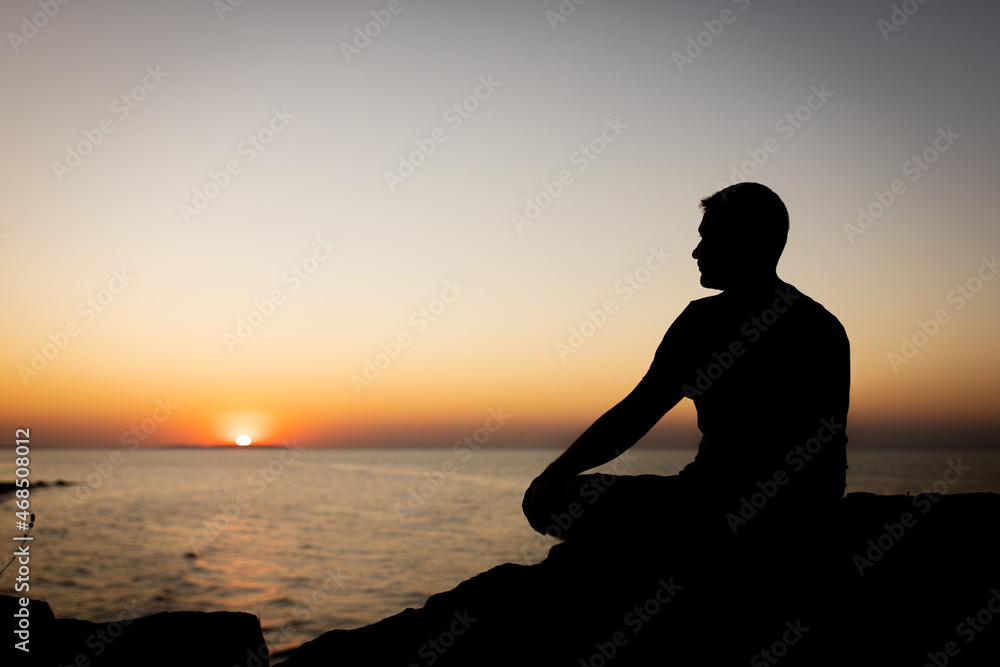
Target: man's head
x=743, y=231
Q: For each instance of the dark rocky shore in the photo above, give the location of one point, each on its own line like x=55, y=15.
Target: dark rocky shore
x=183, y=638
x=888, y=580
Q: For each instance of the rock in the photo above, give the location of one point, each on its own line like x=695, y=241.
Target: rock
x=887, y=580
x=186, y=638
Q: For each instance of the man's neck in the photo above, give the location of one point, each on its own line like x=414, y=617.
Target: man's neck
x=756, y=284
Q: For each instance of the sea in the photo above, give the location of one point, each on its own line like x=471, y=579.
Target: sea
x=312, y=540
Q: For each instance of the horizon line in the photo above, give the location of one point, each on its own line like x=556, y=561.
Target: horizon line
x=871, y=446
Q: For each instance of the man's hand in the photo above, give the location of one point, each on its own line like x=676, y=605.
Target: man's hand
x=539, y=497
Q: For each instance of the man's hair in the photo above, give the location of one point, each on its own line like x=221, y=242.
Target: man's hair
x=753, y=212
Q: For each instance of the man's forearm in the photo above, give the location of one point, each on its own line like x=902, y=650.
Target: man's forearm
x=593, y=448
x=613, y=433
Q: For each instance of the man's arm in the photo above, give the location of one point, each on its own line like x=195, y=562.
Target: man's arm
x=621, y=427
x=615, y=431
x=624, y=424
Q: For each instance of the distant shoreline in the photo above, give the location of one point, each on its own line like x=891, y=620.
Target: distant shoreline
x=680, y=447
x=7, y=488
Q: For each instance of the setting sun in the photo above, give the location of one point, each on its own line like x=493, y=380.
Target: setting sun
x=243, y=440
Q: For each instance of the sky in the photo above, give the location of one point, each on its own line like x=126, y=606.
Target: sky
x=406, y=223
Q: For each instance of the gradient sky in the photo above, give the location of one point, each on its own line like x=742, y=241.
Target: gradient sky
x=95, y=187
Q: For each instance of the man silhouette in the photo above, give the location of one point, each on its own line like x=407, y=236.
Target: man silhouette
x=768, y=370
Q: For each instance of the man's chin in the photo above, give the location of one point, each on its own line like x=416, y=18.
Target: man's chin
x=710, y=283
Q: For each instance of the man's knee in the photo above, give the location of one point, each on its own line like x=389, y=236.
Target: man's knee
x=557, y=506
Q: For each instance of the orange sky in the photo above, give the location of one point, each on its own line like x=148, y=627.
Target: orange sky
x=304, y=262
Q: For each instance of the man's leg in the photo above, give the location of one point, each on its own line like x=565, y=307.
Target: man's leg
x=609, y=506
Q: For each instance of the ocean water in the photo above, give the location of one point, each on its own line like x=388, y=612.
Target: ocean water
x=313, y=540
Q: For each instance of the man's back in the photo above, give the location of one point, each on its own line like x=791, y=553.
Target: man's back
x=769, y=372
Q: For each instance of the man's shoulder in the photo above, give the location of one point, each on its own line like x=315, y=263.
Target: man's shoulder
x=784, y=298
x=808, y=307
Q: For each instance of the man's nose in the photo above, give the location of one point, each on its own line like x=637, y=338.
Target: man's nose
x=694, y=253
